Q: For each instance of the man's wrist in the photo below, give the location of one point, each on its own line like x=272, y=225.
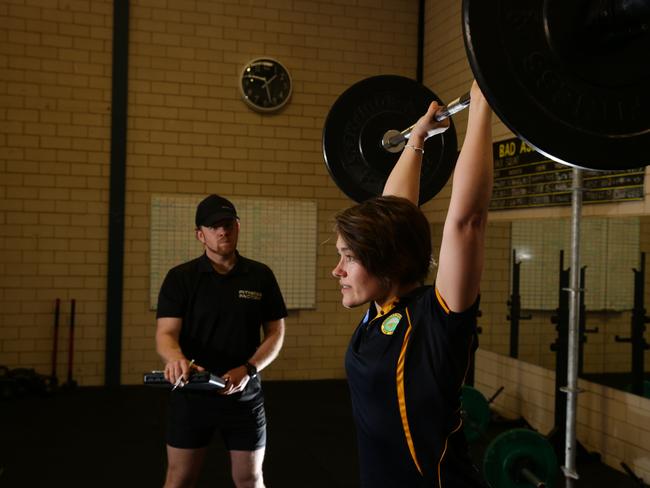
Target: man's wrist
x=172, y=358
x=251, y=369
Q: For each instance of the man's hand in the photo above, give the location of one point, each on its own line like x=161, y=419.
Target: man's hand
x=180, y=368
x=236, y=380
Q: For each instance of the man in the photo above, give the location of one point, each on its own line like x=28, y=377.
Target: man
x=210, y=311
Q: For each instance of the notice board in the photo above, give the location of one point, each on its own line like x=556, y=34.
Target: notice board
x=524, y=178
x=278, y=233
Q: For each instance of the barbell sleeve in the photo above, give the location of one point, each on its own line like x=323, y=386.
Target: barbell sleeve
x=531, y=478
x=453, y=107
x=445, y=112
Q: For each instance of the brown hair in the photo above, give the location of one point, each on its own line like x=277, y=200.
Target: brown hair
x=390, y=236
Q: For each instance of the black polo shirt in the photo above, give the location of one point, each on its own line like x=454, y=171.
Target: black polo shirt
x=405, y=368
x=222, y=314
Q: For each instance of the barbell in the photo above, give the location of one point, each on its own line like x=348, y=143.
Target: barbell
x=517, y=458
x=520, y=458
x=570, y=78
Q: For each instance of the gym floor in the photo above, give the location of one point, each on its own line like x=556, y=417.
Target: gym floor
x=106, y=438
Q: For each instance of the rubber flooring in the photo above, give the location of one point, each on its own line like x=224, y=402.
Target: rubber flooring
x=99, y=437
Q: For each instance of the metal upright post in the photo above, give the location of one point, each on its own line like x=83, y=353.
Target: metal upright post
x=515, y=307
x=571, y=389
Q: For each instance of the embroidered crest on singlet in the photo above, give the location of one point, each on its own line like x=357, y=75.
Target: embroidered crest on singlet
x=389, y=325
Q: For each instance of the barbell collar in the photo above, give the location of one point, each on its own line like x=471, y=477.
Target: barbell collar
x=569, y=473
x=566, y=389
x=393, y=140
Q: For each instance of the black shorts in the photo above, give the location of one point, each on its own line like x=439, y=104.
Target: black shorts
x=194, y=416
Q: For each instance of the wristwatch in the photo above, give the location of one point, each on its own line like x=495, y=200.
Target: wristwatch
x=251, y=370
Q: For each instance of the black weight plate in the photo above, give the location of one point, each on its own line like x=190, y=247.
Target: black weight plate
x=356, y=124
x=571, y=77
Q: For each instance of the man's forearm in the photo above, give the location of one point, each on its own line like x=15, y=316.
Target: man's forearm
x=269, y=348
x=168, y=348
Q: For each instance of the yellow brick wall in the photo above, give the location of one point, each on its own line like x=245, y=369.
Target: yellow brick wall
x=55, y=93
x=188, y=132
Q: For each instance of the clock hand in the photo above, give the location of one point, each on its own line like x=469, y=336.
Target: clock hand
x=266, y=85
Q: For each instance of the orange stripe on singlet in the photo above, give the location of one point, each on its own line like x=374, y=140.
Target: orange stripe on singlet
x=401, y=397
x=442, y=302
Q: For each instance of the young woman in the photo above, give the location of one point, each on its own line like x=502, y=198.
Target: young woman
x=409, y=356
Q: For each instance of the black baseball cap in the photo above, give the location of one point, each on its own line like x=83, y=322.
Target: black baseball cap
x=214, y=208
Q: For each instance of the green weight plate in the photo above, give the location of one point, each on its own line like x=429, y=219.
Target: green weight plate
x=475, y=413
x=515, y=450
x=646, y=389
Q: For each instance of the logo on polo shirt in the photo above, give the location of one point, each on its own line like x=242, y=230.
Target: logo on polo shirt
x=250, y=295
x=389, y=325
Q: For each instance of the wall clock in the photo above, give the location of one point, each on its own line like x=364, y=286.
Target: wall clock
x=265, y=84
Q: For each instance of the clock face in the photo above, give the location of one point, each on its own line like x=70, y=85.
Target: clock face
x=265, y=84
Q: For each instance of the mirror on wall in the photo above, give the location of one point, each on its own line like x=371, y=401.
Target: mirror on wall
x=536, y=255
